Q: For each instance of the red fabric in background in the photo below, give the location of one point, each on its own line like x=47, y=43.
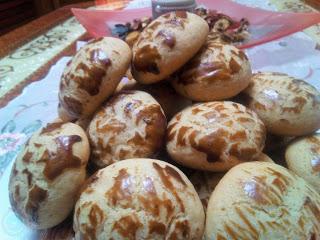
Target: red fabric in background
x=265, y=26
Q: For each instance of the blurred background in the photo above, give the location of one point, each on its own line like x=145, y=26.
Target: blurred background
x=14, y=13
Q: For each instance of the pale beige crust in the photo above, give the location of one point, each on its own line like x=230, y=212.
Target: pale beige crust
x=166, y=44
x=260, y=200
x=55, y=155
x=139, y=199
x=287, y=106
x=92, y=76
x=215, y=136
x=219, y=71
x=205, y=182
x=303, y=158
x=130, y=125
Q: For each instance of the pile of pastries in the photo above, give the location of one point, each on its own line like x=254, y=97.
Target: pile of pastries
x=167, y=140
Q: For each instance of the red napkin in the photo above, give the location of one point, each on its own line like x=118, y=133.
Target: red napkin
x=265, y=26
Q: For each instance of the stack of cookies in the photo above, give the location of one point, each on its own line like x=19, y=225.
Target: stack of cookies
x=167, y=140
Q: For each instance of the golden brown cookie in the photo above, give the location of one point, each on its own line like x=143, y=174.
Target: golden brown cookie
x=48, y=173
x=287, y=106
x=260, y=200
x=130, y=125
x=166, y=44
x=92, y=76
x=219, y=71
x=139, y=199
x=303, y=158
x=215, y=136
x=205, y=182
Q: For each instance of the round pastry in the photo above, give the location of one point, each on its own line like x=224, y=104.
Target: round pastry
x=205, y=182
x=139, y=199
x=55, y=155
x=219, y=71
x=92, y=76
x=166, y=44
x=170, y=101
x=287, y=106
x=130, y=125
x=260, y=200
x=303, y=158
x=215, y=136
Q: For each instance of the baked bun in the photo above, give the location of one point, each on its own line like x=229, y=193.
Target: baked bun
x=205, y=182
x=219, y=71
x=287, y=106
x=55, y=155
x=260, y=200
x=130, y=125
x=215, y=136
x=92, y=76
x=303, y=158
x=166, y=44
x=139, y=199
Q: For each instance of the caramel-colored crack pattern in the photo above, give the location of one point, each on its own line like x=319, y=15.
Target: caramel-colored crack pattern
x=86, y=72
x=208, y=69
x=166, y=174
x=145, y=59
x=73, y=106
x=263, y=192
x=223, y=142
x=29, y=195
x=62, y=158
x=52, y=127
x=139, y=196
x=147, y=55
x=127, y=226
x=96, y=217
x=112, y=142
x=287, y=94
x=36, y=196
x=121, y=192
x=270, y=189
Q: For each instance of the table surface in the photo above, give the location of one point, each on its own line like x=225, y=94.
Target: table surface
x=38, y=52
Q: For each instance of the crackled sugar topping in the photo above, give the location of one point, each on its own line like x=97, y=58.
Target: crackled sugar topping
x=154, y=211
x=270, y=92
x=221, y=130
x=131, y=124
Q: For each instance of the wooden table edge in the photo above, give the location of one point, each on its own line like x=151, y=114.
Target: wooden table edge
x=17, y=38
x=25, y=33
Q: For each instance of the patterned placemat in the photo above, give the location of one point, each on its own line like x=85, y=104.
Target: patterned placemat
x=31, y=61
x=24, y=61
x=37, y=105
x=17, y=68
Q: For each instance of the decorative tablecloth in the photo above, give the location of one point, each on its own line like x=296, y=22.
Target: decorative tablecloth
x=297, y=55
